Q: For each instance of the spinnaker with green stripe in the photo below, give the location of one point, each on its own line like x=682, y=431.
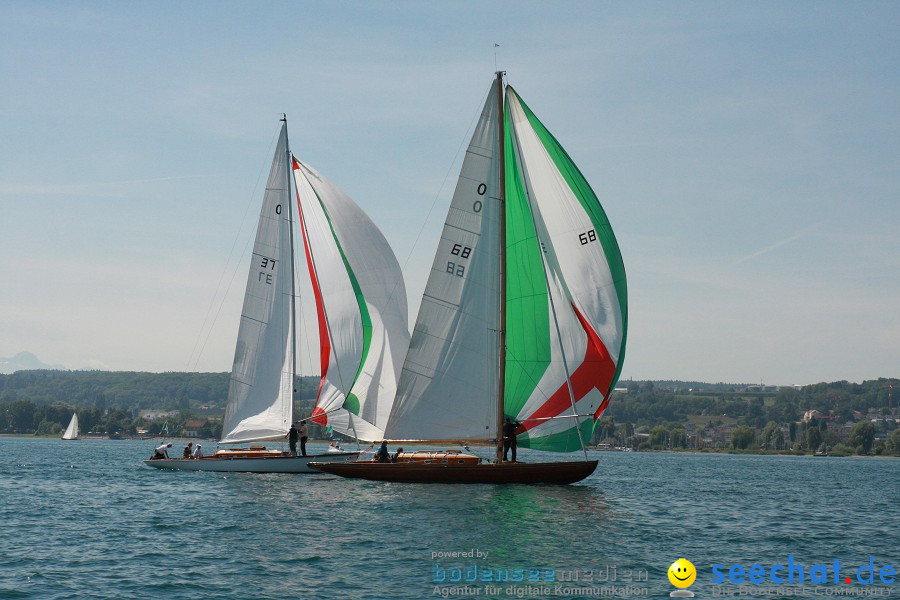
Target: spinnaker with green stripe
x=361, y=305
x=564, y=310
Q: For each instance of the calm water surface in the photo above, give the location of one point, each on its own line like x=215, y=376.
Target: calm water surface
x=88, y=519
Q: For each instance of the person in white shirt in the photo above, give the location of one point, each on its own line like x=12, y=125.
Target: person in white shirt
x=162, y=452
x=197, y=452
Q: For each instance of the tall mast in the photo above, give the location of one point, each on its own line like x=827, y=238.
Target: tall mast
x=502, y=197
x=289, y=163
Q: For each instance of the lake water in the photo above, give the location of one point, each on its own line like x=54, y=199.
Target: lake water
x=88, y=519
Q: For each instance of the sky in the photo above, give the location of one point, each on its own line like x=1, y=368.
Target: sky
x=746, y=154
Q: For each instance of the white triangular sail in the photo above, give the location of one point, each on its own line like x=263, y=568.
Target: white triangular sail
x=260, y=392
x=72, y=430
x=361, y=306
x=449, y=383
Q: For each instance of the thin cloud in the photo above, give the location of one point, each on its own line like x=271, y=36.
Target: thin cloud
x=72, y=188
x=777, y=245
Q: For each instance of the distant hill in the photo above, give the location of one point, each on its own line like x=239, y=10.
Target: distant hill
x=24, y=361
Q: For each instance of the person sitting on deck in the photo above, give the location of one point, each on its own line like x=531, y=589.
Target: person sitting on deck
x=396, y=457
x=197, y=452
x=383, y=455
x=188, y=450
x=162, y=452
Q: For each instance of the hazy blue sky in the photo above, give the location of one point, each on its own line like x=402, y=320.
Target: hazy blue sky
x=745, y=152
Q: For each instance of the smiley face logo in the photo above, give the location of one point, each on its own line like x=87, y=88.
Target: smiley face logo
x=682, y=573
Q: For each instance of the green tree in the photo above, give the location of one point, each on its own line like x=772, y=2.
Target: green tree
x=862, y=436
x=658, y=437
x=743, y=437
x=678, y=438
x=892, y=445
x=772, y=438
x=606, y=427
x=813, y=438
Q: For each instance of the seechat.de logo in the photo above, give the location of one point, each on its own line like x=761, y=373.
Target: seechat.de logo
x=793, y=572
x=682, y=574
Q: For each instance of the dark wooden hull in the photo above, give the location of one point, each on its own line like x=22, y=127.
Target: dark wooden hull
x=414, y=472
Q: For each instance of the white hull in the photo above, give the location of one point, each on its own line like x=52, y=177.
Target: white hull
x=272, y=464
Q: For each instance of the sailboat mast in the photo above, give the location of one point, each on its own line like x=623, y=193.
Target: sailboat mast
x=501, y=194
x=287, y=175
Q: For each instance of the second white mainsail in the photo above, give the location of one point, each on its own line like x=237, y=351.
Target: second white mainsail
x=260, y=392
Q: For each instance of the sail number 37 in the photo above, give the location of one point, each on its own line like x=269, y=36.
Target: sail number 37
x=266, y=263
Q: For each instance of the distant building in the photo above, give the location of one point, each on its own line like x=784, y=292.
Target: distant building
x=155, y=415
x=810, y=415
x=193, y=426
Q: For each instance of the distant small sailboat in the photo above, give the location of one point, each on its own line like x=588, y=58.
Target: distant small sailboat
x=362, y=316
x=524, y=315
x=72, y=430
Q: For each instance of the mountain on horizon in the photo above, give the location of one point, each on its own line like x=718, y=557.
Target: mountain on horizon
x=24, y=361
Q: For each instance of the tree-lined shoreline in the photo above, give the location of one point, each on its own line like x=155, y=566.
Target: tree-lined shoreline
x=839, y=417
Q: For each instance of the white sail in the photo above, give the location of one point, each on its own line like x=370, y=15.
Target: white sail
x=449, y=384
x=260, y=393
x=72, y=430
x=361, y=305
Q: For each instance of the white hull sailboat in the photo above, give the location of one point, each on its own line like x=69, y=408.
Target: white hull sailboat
x=71, y=432
x=251, y=461
x=524, y=314
x=361, y=302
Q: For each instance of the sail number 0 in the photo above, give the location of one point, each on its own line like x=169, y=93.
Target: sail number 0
x=476, y=206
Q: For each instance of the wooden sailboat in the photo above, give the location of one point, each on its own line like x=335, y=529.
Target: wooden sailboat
x=524, y=314
x=363, y=327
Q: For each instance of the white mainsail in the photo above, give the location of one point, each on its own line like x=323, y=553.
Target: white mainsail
x=361, y=305
x=450, y=377
x=72, y=430
x=260, y=392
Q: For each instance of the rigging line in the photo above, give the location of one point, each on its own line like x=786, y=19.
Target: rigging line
x=433, y=203
x=221, y=304
x=556, y=417
x=212, y=300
